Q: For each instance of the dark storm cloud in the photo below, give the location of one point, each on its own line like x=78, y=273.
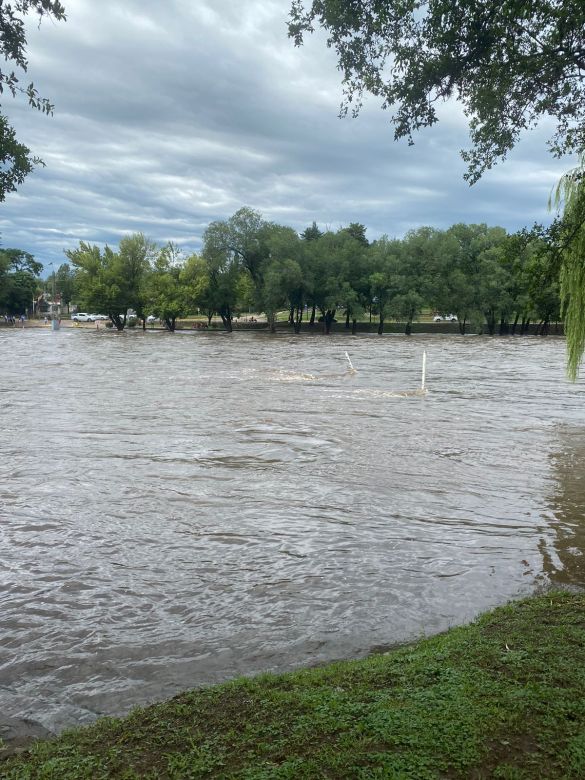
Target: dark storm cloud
x=170, y=115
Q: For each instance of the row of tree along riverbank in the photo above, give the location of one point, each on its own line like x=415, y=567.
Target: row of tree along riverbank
x=488, y=278
x=492, y=281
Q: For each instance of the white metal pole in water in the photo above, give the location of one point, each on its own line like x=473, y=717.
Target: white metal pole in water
x=424, y=370
x=349, y=361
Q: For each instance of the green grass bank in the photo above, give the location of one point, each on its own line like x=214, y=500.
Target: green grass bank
x=503, y=697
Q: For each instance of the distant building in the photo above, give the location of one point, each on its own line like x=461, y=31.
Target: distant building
x=48, y=308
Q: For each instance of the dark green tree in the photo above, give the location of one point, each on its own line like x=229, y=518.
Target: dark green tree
x=65, y=284
x=19, y=273
x=135, y=257
x=196, y=282
x=110, y=281
x=163, y=292
x=386, y=279
x=284, y=287
x=358, y=231
x=233, y=245
x=240, y=240
x=226, y=247
x=284, y=252
x=311, y=233
x=329, y=262
x=422, y=274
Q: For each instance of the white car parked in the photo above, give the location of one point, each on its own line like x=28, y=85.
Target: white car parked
x=83, y=317
x=100, y=317
x=446, y=317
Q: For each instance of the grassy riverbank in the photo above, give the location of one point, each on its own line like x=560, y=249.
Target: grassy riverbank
x=500, y=698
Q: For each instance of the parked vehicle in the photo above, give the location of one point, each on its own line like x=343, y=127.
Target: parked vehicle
x=83, y=317
x=151, y=318
x=100, y=317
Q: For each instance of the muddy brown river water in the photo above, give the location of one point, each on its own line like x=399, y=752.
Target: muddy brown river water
x=179, y=510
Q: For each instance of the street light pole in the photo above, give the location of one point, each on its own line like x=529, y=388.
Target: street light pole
x=55, y=321
x=53, y=275
x=53, y=293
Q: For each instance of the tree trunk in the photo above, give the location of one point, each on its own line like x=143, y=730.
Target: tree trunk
x=381, y=325
x=144, y=323
x=516, y=318
x=462, y=324
x=209, y=318
x=353, y=327
x=118, y=322
x=226, y=318
x=312, y=320
x=347, y=318
x=328, y=319
x=170, y=323
x=291, y=316
x=298, y=319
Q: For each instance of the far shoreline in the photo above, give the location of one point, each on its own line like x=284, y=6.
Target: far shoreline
x=317, y=329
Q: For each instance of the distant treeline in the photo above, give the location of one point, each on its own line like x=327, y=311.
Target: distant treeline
x=488, y=278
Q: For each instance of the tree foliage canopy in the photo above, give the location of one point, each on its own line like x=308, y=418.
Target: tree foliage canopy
x=18, y=280
x=113, y=281
x=16, y=161
x=509, y=64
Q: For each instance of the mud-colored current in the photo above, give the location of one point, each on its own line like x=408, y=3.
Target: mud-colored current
x=179, y=510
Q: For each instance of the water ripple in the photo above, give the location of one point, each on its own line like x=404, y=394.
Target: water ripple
x=179, y=510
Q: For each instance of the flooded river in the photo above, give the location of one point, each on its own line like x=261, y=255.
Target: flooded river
x=179, y=510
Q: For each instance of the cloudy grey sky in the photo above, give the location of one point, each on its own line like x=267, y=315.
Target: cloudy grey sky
x=172, y=114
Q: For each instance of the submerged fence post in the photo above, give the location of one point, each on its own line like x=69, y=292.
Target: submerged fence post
x=424, y=370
